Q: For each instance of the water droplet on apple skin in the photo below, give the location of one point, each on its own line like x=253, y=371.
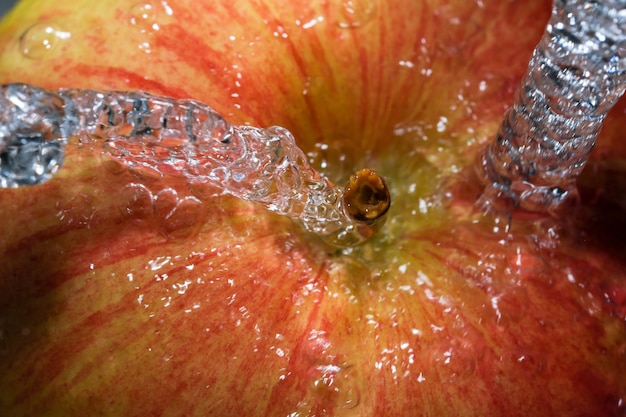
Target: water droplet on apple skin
x=147, y=19
x=329, y=388
x=174, y=216
x=353, y=14
x=527, y=362
x=165, y=201
x=335, y=158
x=112, y=165
x=454, y=365
x=80, y=211
x=185, y=219
x=332, y=390
x=143, y=16
x=136, y=202
x=145, y=171
x=203, y=191
x=42, y=40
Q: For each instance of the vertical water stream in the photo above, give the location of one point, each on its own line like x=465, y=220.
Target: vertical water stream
x=576, y=74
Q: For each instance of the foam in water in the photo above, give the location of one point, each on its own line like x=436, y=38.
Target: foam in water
x=186, y=138
x=576, y=74
x=32, y=135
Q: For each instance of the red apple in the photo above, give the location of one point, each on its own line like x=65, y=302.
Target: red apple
x=128, y=294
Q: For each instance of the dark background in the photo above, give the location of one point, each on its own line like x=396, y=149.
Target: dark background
x=5, y=5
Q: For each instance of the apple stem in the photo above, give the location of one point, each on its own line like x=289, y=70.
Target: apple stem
x=189, y=139
x=575, y=76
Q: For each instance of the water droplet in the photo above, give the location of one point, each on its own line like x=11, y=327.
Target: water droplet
x=136, y=202
x=185, y=219
x=334, y=158
x=355, y=13
x=165, y=201
x=144, y=17
x=528, y=363
x=335, y=387
x=145, y=47
x=203, y=191
x=79, y=211
x=159, y=262
x=145, y=171
x=454, y=363
x=168, y=9
x=41, y=40
x=307, y=22
x=113, y=165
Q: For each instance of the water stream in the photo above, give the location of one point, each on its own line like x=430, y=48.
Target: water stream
x=576, y=74
x=185, y=138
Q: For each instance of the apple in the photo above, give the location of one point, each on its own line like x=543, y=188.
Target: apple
x=131, y=293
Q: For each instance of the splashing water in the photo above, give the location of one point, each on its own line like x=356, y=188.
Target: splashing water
x=32, y=135
x=185, y=138
x=42, y=40
x=576, y=74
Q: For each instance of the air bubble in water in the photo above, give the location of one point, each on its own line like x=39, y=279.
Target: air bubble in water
x=41, y=39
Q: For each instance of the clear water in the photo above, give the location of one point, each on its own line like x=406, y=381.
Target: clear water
x=33, y=134
x=576, y=74
x=165, y=136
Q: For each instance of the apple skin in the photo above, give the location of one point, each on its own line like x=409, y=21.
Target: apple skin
x=122, y=294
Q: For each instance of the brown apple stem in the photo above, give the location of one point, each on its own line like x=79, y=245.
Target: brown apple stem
x=576, y=74
x=165, y=136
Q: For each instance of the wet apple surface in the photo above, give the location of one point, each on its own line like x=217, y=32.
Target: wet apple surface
x=126, y=293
